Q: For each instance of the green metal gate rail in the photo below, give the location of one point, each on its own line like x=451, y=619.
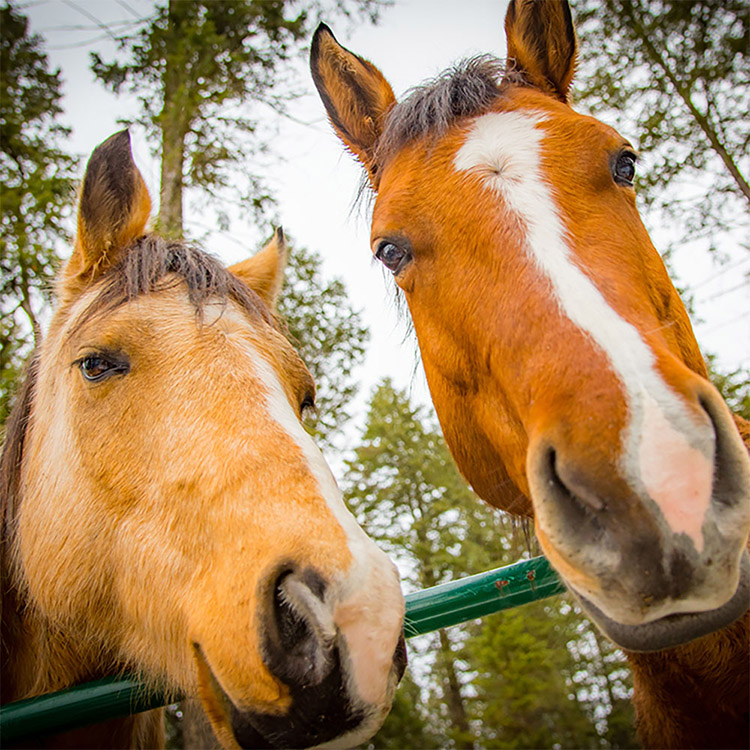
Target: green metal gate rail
x=428, y=610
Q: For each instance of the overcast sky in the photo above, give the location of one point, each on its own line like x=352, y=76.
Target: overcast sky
x=316, y=182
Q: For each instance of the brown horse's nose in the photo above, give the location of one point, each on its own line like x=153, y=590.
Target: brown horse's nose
x=654, y=531
x=595, y=516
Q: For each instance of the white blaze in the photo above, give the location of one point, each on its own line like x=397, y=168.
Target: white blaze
x=505, y=149
x=370, y=607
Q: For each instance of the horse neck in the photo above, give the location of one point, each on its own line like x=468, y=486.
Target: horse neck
x=676, y=691
x=695, y=695
x=38, y=657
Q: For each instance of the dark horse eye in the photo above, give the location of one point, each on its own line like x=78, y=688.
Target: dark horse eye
x=392, y=256
x=624, y=170
x=95, y=367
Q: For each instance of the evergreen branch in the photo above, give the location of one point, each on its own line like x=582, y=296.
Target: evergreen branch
x=702, y=120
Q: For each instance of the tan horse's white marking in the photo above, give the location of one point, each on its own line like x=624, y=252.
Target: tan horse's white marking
x=372, y=572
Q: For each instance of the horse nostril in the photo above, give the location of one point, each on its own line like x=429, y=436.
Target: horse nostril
x=302, y=650
x=575, y=498
x=728, y=490
x=291, y=626
x=399, y=657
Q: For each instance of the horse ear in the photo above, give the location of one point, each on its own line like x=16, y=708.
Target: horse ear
x=542, y=44
x=355, y=94
x=113, y=209
x=264, y=272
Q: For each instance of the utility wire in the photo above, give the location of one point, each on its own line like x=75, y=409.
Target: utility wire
x=86, y=43
x=720, y=272
x=80, y=27
x=742, y=316
x=91, y=17
x=128, y=8
x=716, y=295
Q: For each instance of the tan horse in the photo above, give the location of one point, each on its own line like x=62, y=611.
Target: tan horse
x=164, y=510
x=560, y=359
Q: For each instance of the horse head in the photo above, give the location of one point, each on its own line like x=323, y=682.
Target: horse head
x=169, y=513
x=559, y=357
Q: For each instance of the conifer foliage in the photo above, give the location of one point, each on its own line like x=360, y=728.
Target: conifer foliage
x=201, y=70
x=37, y=190
x=534, y=677
x=673, y=76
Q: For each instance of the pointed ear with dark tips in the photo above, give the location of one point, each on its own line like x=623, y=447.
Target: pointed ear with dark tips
x=542, y=44
x=264, y=272
x=113, y=209
x=355, y=94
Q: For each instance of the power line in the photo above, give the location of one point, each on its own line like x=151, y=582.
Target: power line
x=91, y=17
x=55, y=47
x=742, y=316
x=128, y=8
x=716, y=295
x=720, y=272
x=81, y=27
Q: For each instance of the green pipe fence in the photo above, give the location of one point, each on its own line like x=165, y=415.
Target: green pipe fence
x=428, y=610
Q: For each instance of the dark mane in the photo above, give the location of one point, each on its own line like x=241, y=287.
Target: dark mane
x=154, y=263
x=468, y=88
x=12, y=455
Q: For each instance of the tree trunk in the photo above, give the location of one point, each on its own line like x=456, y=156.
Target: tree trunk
x=169, y=220
x=453, y=696
x=174, y=122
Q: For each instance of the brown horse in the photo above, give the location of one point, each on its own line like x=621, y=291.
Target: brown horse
x=560, y=359
x=164, y=510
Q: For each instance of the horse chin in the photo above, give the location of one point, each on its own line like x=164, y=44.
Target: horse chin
x=678, y=629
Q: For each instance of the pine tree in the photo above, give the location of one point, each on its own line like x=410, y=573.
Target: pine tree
x=528, y=677
x=672, y=75
x=37, y=190
x=201, y=68
x=329, y=335
x=404, y=489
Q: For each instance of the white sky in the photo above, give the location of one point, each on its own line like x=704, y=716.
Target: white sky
x=316, y=181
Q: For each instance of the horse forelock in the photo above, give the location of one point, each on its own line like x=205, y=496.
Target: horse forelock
x=467, y=89
x=154, y=264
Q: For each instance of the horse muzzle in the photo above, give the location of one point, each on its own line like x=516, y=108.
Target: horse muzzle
x=655, y=563
x=307, y=652
x=674, y=630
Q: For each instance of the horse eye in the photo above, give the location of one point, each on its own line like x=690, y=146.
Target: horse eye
x=96, y=367
x=391, y=256
x=624, y=171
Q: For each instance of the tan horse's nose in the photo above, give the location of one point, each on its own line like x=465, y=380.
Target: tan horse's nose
x=317, y=655
x=302, y=635
x=308, y=625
